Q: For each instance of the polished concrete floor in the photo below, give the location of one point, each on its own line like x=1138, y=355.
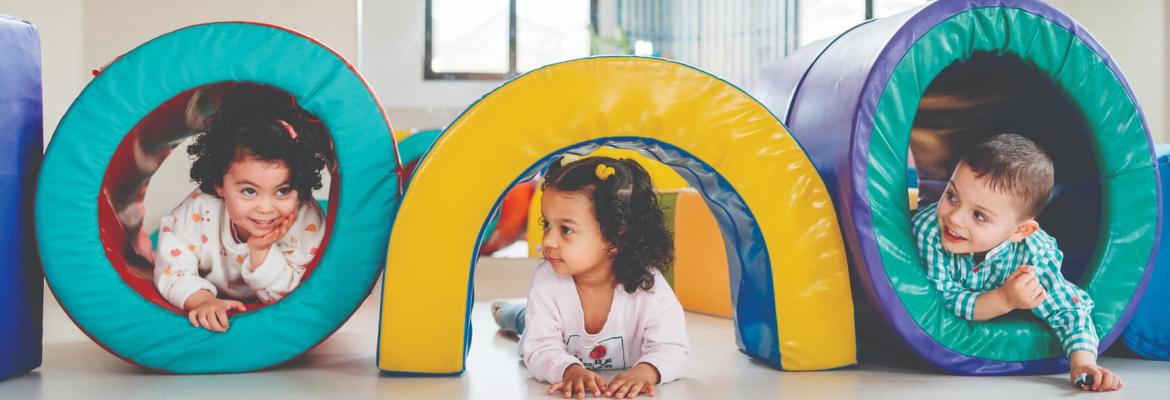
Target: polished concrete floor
x=343, y=367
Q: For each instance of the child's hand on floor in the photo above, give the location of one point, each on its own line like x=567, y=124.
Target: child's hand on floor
x=1084, y=362
x=204, y=309
x=630, y=383
x=576, y=380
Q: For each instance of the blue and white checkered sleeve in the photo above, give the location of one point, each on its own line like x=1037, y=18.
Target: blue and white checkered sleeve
x=1068, y=309
x=956, y=298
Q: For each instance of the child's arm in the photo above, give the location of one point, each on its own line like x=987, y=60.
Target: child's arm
x=543, y=340
x=664, y=347
x=1068, y=311
x=957, y=299
x=664, y=339
x=176, y=264
x=1021, y=290
x=1067, y=308
x=275, y=267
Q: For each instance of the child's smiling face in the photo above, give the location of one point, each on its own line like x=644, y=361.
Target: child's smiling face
x=974, y=218
x=573, y=242
x=257, y=195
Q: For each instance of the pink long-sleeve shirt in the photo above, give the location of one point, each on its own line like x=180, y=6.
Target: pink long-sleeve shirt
x=647, y=326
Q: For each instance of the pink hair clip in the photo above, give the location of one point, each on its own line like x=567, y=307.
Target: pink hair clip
x=291, y=133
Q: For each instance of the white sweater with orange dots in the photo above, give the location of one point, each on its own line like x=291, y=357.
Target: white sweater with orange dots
x=197, y=250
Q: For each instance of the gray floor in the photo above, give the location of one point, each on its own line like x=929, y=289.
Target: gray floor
x=343, y=367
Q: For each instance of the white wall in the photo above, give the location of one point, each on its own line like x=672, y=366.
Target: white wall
x=60, y=26
x=392, y=62
x=1134, y=33
x=385, y=39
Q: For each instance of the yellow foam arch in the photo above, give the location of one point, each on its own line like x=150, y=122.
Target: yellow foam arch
x=672, y=109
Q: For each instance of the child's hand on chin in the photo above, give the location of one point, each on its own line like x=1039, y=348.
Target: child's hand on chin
x=577, y=380
x=1103, y=380
x=260, y=243
x=207, y=311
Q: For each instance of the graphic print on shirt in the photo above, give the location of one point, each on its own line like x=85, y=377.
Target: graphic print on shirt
x=609, y=353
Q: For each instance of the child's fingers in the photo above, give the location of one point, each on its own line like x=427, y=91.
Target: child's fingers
x=580, y=389
x=1098, y=377
x=203, y=320
x=614, y=385
x=288, y=222
x=238, y=306
x=567, y=390
x=635, y=389
x=1039, y=295
x=1110, y=382
x=650, y=391
x=191, y=317
x=621, y=391
x=600, y=385
x=214, y=321
x=1022, y=269
x=222, y=318
x=1030, y=279
x=592, y=385
x=556, y=386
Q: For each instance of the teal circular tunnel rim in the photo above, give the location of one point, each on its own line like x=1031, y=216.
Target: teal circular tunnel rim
x=66, y=217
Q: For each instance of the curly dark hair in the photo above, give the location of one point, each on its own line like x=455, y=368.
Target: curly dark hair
x=249, y=125
x=629, y=214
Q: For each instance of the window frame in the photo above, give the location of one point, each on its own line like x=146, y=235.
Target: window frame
x=428, y=48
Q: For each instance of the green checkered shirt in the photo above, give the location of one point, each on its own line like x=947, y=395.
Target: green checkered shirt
x=1066, y=309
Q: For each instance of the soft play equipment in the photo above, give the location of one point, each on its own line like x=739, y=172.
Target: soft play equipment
x=130, y=117
x=1148, y=332
x=775, y=215
x=505, y=228
x=934, y=80
x=510, y=223
x=21, y=287
x=700, y=268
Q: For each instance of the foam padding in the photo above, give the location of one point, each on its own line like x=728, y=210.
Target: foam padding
x=1148, y=332
x=21, y=284
x=700, y=261
x=853, y=100
x=70, y=240
x=777, y=219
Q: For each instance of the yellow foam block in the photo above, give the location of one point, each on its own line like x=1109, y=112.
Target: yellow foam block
x=700, y=264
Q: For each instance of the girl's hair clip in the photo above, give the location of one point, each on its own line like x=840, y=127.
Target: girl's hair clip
x=291, y=133
x=569, y=159
x=603, y=171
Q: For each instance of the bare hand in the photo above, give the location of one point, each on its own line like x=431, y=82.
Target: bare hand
x=634, y=381
x=1022, y=289
x=207, y=311
x=261, y=243
x=577, y=380
x=1104, y=380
